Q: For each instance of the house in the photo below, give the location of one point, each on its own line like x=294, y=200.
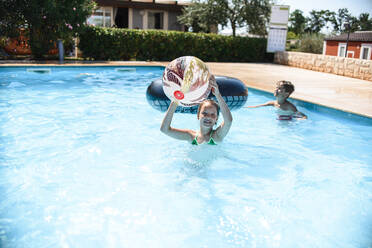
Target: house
x=359, y=45
x=133, y=14
x=138, y=14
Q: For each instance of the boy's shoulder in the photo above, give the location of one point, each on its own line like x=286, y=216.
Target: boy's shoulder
x=290, y=106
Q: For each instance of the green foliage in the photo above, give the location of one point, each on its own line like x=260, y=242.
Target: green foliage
x=338, y=20
x=311, y=43
x=3, y=41
x=297, y=22
x=10, y=17
x=257, y=15
x=364, y=22
x=233, y=12
x=202, y=14
x=291, y=36
x=45, y=21
x=292, y=41
x=318, y=19
x=127, y=44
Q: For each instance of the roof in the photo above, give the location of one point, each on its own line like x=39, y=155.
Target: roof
x=180, y=2
x=170, y=5
x=357, y=36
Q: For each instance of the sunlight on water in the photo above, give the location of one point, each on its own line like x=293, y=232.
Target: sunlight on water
x=84, y=164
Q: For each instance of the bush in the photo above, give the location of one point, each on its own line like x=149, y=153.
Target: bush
x=43, y=21
x=126, y=44
x=311, y=43
x=291, y=36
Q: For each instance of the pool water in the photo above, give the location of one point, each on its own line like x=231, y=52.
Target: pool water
x=84, y=164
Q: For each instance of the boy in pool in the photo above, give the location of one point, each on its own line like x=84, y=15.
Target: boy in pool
x=207, y=115
x=286, y=110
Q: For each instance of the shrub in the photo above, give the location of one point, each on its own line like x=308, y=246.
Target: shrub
x=43, y=22
x=311, y=43
x=291, y=36
x=127, y=44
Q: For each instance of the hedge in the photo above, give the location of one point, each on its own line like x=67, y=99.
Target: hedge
x=127, y=44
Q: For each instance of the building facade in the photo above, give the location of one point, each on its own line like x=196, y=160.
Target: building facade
x=138, y=14
x=133, y=14
x=359, y=45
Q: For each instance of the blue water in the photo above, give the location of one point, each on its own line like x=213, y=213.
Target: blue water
x=83, y=164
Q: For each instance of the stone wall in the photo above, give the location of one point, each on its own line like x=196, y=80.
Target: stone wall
x=349, y=67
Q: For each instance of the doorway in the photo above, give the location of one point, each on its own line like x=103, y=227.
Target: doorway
x=121, y=19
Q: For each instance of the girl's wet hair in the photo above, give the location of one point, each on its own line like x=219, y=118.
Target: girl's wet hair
x=287, y=85
x=210, y=101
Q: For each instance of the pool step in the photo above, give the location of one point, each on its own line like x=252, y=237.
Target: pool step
x=39, y=70
x=125, y=69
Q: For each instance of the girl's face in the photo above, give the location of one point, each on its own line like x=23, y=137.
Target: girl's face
x=208, y=115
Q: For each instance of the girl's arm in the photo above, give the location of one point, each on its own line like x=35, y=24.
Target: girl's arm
x=271, y=103
x=181, y=134
x=224, y=128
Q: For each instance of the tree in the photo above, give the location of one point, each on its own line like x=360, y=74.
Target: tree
x=11, y=17
x=201, y=16
x=192, y=17
x=317, y=20
x=364, y=22
x=254, y=14
x=233, y=12
x=45, y=21
x=257, y=15
x=297, y=22
x=339, y=19
x=354, y=24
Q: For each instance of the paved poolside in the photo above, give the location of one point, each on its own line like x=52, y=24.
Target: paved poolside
x=339, y=92
x=343, y=93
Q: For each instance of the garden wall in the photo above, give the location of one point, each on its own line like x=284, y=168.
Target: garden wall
x=349, y=67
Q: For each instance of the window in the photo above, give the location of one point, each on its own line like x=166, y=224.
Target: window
x=365, y=51
x=102, y=17
x=155, y=20
x=350, y=54
x=341, y=49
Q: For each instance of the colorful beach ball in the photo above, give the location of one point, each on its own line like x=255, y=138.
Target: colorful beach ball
x=187, y=80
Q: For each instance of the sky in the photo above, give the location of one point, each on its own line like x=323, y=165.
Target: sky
x=356, y=7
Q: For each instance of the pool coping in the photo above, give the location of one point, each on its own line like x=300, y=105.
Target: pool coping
x=349, y=95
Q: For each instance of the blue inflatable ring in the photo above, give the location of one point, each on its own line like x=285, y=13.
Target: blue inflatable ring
x=233, y=91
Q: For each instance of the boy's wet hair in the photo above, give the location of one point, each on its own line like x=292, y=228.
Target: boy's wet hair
x=212, y=102
x=287, y=85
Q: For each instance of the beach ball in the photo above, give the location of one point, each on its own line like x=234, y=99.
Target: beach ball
x=186, y=79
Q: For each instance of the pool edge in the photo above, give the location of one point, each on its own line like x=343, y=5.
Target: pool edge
x=301, y=102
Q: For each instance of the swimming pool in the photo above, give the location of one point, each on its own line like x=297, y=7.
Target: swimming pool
x=83, y=164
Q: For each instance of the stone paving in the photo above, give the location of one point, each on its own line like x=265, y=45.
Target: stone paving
x=339, y=92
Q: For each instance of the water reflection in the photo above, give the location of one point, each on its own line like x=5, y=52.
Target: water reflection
x=198, y=160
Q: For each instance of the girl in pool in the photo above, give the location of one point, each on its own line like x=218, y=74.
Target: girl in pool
x=285, y=109
x=207, y=115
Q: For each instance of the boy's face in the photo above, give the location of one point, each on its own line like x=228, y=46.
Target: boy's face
x=281, y=92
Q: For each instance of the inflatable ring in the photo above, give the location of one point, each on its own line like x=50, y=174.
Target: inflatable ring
x=233, y=91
